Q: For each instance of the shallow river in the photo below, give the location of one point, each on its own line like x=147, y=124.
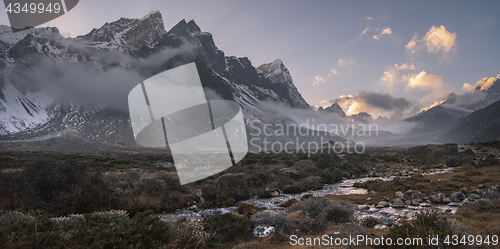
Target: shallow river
x=386, y=215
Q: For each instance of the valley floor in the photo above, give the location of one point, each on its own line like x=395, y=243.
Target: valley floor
x=46, y=198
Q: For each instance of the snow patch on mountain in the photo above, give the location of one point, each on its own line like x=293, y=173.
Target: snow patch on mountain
x=22, y=111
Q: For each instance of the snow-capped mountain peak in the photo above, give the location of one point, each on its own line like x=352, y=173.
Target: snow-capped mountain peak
x=127, y=33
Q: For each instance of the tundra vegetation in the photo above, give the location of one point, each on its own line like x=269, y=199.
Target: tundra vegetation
x=113, y=199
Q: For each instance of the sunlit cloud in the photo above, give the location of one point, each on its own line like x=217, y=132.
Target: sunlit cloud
x=318, y=80
x=424, y=81
x=389, y=79
x=412, y=44
x=333, y=72
x=467, y=88
x=378, y=104
x=437, y=39
x=429, y=82
x=364, y=31
x=346, y=64
x=405, y=66
x=386, y=31
x=481, y=84
x=368, y=18
x=432, y=105
x=323, y=103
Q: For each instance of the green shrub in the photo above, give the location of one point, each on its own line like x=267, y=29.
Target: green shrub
x=424, y=225
x=227, y=227
x=295, y=188
x=329, y=176
x=328, y=160
x=321, y=212
x=112, y=231
x=58, y=187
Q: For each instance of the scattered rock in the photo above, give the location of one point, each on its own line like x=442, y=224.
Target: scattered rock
x=415, y=195
x=464, y=190
x=407, y=203
x=410, y=191
x=247, y=209
x=399, y=194
x=446, y=200
x=289, y=173
x=263, y=231
x=275, y=193
x=415, y=202
x=193, y=208
x=306, y=196
x=457, y=196
x=398, y=203
x=288, y=203
x=474, y=197
x=492, y=191
x=383, y=204
x=438, y=198
x=370, y=222
x=385, y=198
x=363, y=207
x=380, y=226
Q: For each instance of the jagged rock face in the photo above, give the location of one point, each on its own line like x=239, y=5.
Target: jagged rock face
x=334, y=108
x=278, y=78
x=480, y=126
x=140, y=39
x=435, y=121
x=362, y=117
x=130, y=34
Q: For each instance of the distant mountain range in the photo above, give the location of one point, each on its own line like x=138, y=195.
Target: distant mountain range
x=432, y=123
x=51, y=85
x=58, y=92
x=481, y=126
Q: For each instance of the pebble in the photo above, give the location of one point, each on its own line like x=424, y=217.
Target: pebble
x=398, y=203
x=383, y=204
x=263, y=231
x=380, y=226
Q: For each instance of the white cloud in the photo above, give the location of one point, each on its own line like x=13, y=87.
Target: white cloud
x=436, y=103
x=345, y=63
x=481, y=84
x=389, y=79
x=333, y=72
x=428, y=82
x=467, y=88
x=405, y=66
x=437, y=39
x=369, y=18
x=364, y=31
x=318, y=80
x=324, y=104
x=412, y=44
x=424, y=81
x=386, y=31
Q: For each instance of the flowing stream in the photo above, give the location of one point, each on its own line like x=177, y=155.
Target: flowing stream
x=386, y=216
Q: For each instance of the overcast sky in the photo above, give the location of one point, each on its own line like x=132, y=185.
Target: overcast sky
x=406, y=51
